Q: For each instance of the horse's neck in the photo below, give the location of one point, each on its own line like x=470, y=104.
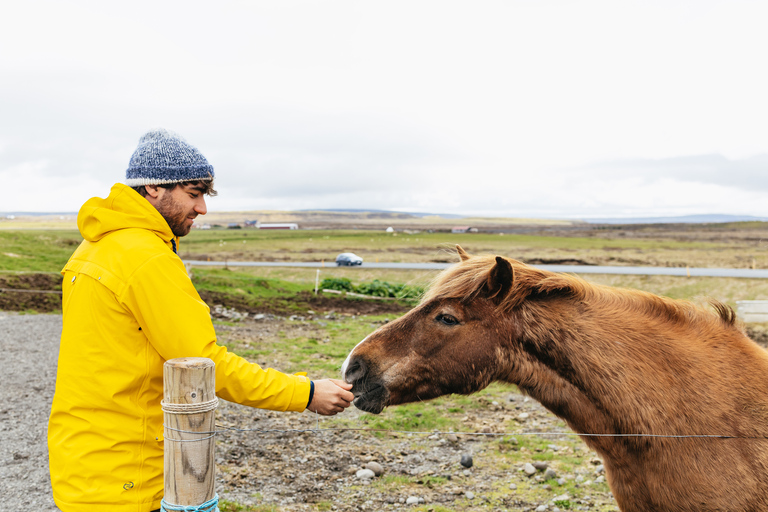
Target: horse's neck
x=579, y=362
x=608, y=369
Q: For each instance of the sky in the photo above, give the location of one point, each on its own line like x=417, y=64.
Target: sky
x=538, y=109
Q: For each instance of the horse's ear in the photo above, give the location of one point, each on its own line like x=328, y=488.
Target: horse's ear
x=500, y=279
x=462, y=253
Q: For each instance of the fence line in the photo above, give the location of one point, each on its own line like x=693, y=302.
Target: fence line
x=13, y=290
x=316, y=430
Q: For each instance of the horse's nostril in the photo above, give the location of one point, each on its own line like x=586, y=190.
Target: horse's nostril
x=355, y=371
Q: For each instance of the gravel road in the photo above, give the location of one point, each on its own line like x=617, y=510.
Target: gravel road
x=30, y=347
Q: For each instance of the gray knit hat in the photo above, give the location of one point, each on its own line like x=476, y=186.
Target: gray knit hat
x=165, y=157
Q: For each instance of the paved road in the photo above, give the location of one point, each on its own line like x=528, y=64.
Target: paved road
x=575, y=269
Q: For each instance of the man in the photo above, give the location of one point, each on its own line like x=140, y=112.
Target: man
x=128, y=307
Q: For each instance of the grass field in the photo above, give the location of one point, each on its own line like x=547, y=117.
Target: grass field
x=48, y=250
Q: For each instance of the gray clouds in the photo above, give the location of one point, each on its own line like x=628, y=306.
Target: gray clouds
x=498, y=108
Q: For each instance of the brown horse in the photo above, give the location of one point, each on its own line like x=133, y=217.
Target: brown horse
x=607, y=361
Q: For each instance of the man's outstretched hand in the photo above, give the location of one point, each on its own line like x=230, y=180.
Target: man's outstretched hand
x=331, y=396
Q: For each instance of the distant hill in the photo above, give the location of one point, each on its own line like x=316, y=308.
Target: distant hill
x=36, y=214
x=386, y=212
x=682, y=219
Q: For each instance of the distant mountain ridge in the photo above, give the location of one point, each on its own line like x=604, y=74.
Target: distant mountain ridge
x=393, y=212
x=712, y=218
x=681, y=219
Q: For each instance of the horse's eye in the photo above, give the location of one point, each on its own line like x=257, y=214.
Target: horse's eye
x=447, y=319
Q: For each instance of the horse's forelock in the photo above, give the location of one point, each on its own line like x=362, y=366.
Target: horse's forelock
x=462, y=280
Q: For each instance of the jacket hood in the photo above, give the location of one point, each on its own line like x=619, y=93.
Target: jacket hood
x=124, y=208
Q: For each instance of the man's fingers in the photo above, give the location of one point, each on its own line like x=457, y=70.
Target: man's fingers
x=341, y=384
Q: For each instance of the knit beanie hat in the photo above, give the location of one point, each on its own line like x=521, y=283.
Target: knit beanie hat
x=163, y=157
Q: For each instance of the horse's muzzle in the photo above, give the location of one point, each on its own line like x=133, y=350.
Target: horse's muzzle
x=371, y=394
x=373, y=400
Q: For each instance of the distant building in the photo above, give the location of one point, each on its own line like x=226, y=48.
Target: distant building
x=285, y=225
x=390, y=229
x=463, y=229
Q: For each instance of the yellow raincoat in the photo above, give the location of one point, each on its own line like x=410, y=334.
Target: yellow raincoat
x=128, y=306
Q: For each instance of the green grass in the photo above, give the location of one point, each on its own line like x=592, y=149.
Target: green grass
x=37, y=251
x=244, y=283
x=230, y=506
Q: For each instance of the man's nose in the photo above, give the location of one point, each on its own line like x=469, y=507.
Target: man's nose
x=200, y=207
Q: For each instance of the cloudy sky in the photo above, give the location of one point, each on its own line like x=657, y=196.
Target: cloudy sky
x=504, y=108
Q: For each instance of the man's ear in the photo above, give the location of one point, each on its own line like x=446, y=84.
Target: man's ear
x=153, y=191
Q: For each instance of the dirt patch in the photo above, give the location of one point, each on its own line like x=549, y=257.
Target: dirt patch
x=30, y=292
x=302, y=302
x=42, y=293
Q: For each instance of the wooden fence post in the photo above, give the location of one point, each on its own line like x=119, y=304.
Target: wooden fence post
x=189, y=404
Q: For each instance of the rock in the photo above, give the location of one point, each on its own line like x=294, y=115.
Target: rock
x=365, y=474
x=599, y=469
x=529, y=469
x=469, y=495
x=522, y=417
x=377, y=469
x=600, y=479
x=541, y=508
x=512, y=487
x=550, y=474
x=452, y=438
x=466, y=460
x=540, y=465
x=414, y=500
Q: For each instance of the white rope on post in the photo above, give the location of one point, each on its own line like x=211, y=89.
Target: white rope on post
x=189, y=404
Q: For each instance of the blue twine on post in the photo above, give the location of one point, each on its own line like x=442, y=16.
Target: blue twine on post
x=209, y=506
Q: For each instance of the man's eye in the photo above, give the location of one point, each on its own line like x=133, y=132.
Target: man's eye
x=447, y=319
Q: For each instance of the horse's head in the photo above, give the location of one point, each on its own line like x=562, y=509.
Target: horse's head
x=435, y=349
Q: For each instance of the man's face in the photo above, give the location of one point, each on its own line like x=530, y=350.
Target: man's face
x=180, y=205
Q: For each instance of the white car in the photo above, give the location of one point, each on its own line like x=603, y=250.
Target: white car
x=348, y=259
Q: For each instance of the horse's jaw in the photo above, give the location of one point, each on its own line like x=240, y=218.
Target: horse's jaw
x=373, y=400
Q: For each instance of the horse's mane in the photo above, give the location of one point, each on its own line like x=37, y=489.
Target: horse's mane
x=468, y=279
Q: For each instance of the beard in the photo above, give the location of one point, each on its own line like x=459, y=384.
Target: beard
x=174, y=215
